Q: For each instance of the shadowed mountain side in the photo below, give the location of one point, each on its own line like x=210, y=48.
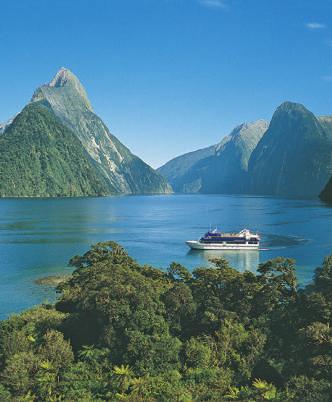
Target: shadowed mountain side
x=178, y=170
x=326, y=194
x=294, y=157
x=218, y=169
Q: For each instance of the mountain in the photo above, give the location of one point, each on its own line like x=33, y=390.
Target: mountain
x=41, y=157
x=326, y=122
x=125, y=171
x=62, y=109
x=218, y=169
x=176, y=170
x=326, y=194
x=227, y=170
x=294, y=157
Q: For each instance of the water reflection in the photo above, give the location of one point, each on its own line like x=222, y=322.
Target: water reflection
x=243, y=260
x=38, y=237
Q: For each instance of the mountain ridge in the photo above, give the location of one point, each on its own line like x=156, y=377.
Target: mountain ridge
x=120, y=171
x=69, y=101
x=290, y=157
x=228, y=160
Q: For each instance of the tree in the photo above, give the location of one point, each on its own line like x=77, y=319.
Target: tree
x=122, y=331
x=19, y=375
x=56, y=350
x=198, y=353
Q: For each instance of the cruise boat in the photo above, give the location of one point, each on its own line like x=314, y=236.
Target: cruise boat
x=215, y=240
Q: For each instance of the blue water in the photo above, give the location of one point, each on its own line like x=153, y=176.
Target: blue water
x=38, y=236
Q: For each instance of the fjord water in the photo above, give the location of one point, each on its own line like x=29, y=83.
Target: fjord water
x=38, y=236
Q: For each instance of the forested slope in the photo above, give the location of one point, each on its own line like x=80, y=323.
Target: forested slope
x=40, y=157
x=122, y=331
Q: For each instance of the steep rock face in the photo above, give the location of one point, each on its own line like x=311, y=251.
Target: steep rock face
x=294, y=157
x=176, y=170
x=126, y=172
x=41, y=157
x=227, y=170
x=218, y=169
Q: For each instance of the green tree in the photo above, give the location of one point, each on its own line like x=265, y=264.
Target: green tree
x=56, y=350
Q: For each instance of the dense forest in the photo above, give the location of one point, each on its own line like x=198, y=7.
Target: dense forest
x=41, y=157
x=121, y=331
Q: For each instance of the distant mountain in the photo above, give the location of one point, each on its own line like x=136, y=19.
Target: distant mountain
x=176, y=170
x=220, y=168
x=226, y=172
x=326, y=194
x=40, y=157
x=326, y=122
x=294, y=157
x=116, y=169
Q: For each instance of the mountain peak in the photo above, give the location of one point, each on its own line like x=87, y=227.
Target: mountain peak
x=62, y=77
x=291, y=113
x=260, y=125
x=64, y=85
x=244, y=130
x=292, y=106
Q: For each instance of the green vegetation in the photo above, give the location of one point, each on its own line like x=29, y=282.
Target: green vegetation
x=57, y=147
x=40, y=157
x=126, y=173
x=121, y=331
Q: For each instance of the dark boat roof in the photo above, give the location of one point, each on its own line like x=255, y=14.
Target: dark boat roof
x=216, y=233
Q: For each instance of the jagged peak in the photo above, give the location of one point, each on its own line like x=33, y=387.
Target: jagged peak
x=247, y=125
x=243, y=129
x=64, y=78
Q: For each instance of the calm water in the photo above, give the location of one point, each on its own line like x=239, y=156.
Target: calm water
x=37, y=237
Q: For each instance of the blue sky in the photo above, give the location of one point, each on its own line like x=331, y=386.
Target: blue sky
x=171, y=76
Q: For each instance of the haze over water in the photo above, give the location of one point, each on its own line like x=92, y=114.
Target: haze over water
x=39, y=236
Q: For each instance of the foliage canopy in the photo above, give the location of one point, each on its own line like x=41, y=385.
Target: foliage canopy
x=123, y=331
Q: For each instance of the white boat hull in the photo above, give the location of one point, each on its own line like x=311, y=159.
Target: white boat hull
x=196, y=245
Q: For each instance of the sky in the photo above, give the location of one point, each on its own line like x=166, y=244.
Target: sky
x=171, y=76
